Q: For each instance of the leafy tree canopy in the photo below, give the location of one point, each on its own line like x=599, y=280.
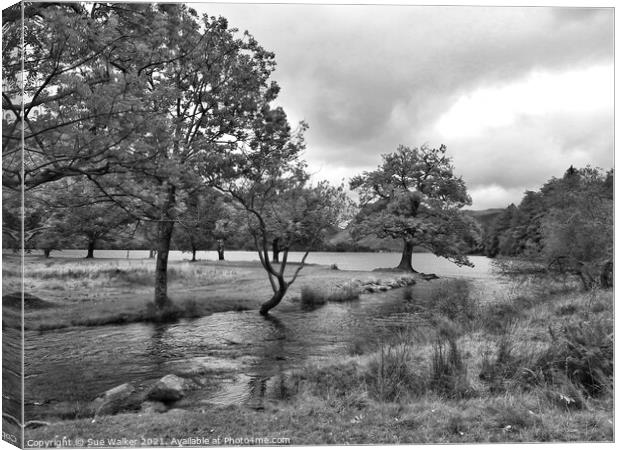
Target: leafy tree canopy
x=415, y=196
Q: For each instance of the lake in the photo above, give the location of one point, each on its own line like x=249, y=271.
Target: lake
x=423, y=262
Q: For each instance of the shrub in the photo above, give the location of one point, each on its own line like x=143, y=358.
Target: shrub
x=583, y=354
x=312, y=297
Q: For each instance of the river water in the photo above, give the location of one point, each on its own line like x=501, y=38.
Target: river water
x=235, y=355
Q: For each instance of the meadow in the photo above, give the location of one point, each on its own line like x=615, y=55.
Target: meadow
x=72, y=292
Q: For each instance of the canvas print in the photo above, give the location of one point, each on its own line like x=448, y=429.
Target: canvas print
x=306, y=224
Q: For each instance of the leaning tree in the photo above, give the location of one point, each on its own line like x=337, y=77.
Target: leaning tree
x=267, y=178
x=298, y=214
x=414, y=196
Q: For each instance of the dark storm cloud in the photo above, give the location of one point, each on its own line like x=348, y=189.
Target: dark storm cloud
x=367, y=78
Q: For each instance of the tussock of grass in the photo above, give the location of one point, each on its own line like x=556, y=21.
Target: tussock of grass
x=312, y=296
x=448, y=373
x=391, y=376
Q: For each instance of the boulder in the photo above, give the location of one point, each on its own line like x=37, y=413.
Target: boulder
x=114, y=400
x=169, y=389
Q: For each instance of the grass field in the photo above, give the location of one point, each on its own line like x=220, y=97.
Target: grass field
x=83, y=292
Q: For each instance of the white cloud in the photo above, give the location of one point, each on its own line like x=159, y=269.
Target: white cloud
x=540, y=94
x=494, y=196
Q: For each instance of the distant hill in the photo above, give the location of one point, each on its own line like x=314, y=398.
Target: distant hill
x=485, y=216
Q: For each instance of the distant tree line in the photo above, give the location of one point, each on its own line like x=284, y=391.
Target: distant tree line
x=567, y=225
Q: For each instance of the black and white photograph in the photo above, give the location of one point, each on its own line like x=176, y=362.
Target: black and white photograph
x=307, y=224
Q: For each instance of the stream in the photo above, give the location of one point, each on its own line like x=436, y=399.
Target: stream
x=233, y=355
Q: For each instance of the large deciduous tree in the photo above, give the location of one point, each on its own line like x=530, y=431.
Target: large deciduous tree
x=208, y=94
x=415, y=196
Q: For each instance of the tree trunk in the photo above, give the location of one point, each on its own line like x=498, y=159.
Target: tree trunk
x=151, y=254
x=193, y=254
x=405, y=260
x=161, y=266
x=276, y=299
x=91, y=249
x=47, y=251
x=220, y=249
x=276, y=250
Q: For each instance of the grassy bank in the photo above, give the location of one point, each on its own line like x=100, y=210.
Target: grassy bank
x=533, y=366
x=80, y=292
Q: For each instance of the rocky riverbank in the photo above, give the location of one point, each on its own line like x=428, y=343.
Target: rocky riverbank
x=373, y=285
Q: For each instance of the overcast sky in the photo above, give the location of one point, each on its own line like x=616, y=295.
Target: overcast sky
x=516, y=94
